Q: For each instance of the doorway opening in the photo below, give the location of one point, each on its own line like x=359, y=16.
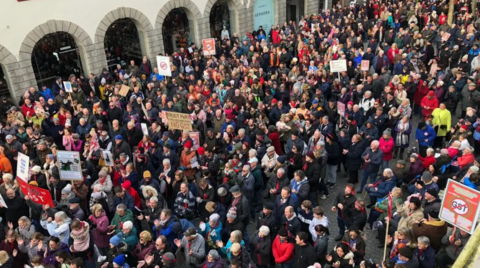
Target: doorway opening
x=221, y=19
x=4, y=91
x=176, y=31
x=295, y=10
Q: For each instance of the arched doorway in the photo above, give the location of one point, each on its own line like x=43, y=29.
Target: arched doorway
x=56, y=54
x=222, y=16
x=3, y=83
x=176, y=31
x=295, y=10
x=123, y=43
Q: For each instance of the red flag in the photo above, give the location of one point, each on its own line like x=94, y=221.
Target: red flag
x=390, y=205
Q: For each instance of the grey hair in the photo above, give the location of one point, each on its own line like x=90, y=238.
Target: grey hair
x=264, y=230
x=282, y=170
x=430, y=150
x=389, y=172
x=98, y=187
x=166, y=161
x=252, y=151
x=241, y=131
x=424, y=240
x=122, y=207
x=62, y=216
x=375, y=142
x=246, y=167
x=238, y=235
x=154, y=199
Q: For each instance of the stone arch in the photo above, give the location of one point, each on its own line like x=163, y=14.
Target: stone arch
x=9, y=64
x=200, y=24
x=148, y=37
x=234, y=6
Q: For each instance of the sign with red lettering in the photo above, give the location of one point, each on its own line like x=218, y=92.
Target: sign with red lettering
x=208, y=46
x=37, y=195
x=460, y=206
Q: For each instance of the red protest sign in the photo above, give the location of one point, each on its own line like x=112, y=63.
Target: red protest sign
x=460, y=206
x=365, y=65
x=37, y=194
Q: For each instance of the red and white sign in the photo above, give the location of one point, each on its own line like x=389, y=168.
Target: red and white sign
x=460, y=206
x=365, y=65
x=208, y=46
x=341, y=108
x=37, y=195
x=163, y=66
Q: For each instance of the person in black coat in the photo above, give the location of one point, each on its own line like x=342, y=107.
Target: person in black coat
x=344, y=204
x=304, y=252
x=16, y=207
x=266, y=217
x=121, y=146
x=134, y=134
x=353, y=160
x=291, y=222
x=282, y=201
x=313, y=173
x=261, y=247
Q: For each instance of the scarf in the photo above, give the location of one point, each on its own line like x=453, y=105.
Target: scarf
x=235, y=201
x=81, y=237
x=402, y=138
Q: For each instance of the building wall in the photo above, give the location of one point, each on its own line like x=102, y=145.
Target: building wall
x=23, y=24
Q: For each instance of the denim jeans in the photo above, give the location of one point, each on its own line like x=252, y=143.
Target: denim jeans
x=312, y=196
x=365, y=175
x=342, y=225
x=332, y=173
x=385, y=164
x=287, y=265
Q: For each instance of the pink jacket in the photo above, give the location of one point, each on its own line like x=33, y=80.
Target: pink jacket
x=387, y=148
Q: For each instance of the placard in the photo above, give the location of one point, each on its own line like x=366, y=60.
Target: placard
x=144, y=129
x=2, y=202
x=124, y=90
x=338, y=66
x=23, y=167
x=365, y=65
x=195, y=136
x=341, y=108
x=179, y=121
x=108, y=157
x=208, y=46
x=163, y=66
x=69, y=165
x=37, y=195
x=460, y=206
x=68, y=86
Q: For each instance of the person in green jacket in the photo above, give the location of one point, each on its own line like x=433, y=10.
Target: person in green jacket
x=129, y=235
x=379, y=212
x=121, y=216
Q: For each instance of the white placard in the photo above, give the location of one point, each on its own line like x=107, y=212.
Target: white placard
x=69, y=165
x=144, y=129
x=163, y=66
x=338, y=66
x=23, y=167
x=108, y=157
x=3, y=202
x=67, y=86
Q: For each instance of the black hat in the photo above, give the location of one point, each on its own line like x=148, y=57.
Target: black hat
x=434, y=213
x=281, y=159
x=283, y=231
x=296, y=133
x=74, y=200
x=268, y=205
x=406, y=252
x=421, y=125
x=433, y=192
x=190, y=231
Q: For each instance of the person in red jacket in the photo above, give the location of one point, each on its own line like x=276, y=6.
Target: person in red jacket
x=282, y=248
x=386, y=146
x=422, y=90
x=28, y=108
x=429, y=159
x=466, y=158
x=429, y=103
x=127, y=186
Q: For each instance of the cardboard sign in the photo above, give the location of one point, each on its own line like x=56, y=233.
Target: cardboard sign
x=179, y=121
x=365, y=65
x=338, y=66
x=67, y=86
x=69, y=165
x=23, y=167
x=108, y=157
x=460, y=206
x=341, y=108
x=208, y=46
x=124, y=90
x=37, y=195
x=163, y=66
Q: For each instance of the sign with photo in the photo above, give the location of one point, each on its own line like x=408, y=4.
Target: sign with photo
x=68, y=86
x=69, y=165
x=108, y=157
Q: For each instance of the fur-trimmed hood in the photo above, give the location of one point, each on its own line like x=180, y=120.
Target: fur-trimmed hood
x=149, y=188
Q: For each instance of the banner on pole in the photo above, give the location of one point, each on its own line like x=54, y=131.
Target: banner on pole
x=37, y=195
x=208, y=46
x=163, y=66
x=69, y=166
x=338, y=66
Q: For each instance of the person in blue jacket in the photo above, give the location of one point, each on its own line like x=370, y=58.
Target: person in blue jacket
x=381, y=188
x=46, y=93
x=424, y=135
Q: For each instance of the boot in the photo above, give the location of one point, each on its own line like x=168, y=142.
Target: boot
x=395, y=150
x=401, y=153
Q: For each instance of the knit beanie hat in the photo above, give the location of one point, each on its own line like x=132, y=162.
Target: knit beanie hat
x=232, y=213
x=119, y=260
x=214, y=217
x=169, y=258
x=67, y=189
x=115, y=240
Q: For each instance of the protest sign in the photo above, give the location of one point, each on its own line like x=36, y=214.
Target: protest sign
x=460, y=206
x=341, y=108
x=69, y=165
x=163, y=66
x=2, y=202
x=124, y=90
x=108, y=157
x=68, y=87
x=23, y=166
x=37, y=195
x=208, y=46
x=365, y=65
x=179, y=121
x=195, y=136
x=144, y=129
x=338, y=66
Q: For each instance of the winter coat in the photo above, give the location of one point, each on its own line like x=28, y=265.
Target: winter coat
x=61, y=231
x=50, y=257
x=442, y=118
x=427, y=134
x=185, y=161
x=469, y=98
x=304, y=256
x=434, y=230
x=131, y=239
x=283, y=250
x=302, y=189
x=141, y=251
x=118, y=220
x=321, y=248
x=18, y=261
x=376, y=159
x=197, y=246
x=452, y=250
x=354, y=160
x=386, y=146
x=260, y=249
x=426, y=258
x=348, y=205
x=218, y=263
x=344, y=262
x=99, y=228
x=432, y=104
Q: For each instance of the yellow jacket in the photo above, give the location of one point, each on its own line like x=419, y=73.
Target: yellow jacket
x=442, y=118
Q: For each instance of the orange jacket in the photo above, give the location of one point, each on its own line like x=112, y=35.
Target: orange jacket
x=5, y=164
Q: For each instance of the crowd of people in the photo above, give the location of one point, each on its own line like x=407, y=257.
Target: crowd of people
x=249, y=185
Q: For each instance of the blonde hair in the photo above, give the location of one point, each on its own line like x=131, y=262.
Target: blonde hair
x=235, y=247
x=96, y=207
x=146, y=236
x=3, y=257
